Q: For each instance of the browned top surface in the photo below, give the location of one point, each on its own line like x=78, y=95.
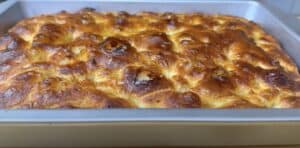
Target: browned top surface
x=89, y=59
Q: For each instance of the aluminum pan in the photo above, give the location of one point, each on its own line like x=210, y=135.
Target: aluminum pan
x=143, y=115
x=12, y=11
x=151, y=127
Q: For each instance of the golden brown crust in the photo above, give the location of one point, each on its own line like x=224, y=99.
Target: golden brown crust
x=171, y=99
x=90, y=59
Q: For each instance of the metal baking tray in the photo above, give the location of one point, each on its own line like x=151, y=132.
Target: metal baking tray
x=153, y=127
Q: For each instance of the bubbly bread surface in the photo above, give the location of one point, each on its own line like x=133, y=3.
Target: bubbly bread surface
x=90, y=59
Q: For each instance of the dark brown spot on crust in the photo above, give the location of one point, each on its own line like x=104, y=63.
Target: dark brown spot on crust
x=220, y=75
x=215, y=82
x=171, y=20
x=115, y=103
x=19, y=90
x=50, y=82
x=183, y=100
x=28, y=76
x=48, y=97
x=141, y=80
x=11, y=41
x=86, y=19
x=290, y=102
x=76, y=68
x=113, y=53
x=115, y=47
x=186, y=38
x=241, y=103
x=276, y=78
x=12, y=96
x=50, y=34
x=154, y=41
x=43, y=65
x=88, y=39
x=9, y=55
x=172, y=99
x=61, y=54
x=162, y=58
x=53, y=91
x=121, y=20
x=244, y=72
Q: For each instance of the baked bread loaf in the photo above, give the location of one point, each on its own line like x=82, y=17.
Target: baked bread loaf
x=90, y=59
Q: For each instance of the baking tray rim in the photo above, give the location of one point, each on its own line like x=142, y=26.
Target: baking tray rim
x=147, y=1
x=149, y=115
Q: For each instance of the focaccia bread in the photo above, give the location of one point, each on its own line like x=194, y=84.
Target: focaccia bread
x=92, y=59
